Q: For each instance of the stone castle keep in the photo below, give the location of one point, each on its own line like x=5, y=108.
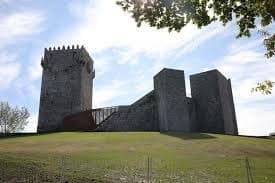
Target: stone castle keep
x=67, y=86
x=66, y=100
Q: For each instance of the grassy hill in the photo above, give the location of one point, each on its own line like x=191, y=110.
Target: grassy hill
x=123, y=157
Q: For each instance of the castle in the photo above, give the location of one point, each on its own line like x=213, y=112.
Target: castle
x=66, y=100
x=67, y=86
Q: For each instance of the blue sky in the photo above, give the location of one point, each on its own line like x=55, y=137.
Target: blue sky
x=126, y=57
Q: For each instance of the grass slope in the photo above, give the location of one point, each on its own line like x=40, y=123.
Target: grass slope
x=122, y=157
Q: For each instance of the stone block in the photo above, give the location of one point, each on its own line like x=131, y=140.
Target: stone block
x=66, y=88
x=213, y=98
x=172, y=104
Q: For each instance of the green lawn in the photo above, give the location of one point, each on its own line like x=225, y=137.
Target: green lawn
x=123, y=157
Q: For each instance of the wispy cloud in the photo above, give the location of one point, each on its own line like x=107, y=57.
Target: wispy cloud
x=127, y=57
x=246, y=65
x=6, y=57
x=8, y=73
x=34, y=67
x=13, y=28
x=105, y=93
x=32, y=123
x=106, y=26
x=17, y=25
x=9, y=69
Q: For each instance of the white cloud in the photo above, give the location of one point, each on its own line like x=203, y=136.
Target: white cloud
x=8, y=73
x=8, y=2
x=18, y=25
x=35, y=69
x=256, y=120
x=102, y=65
x=6, y=57
x=127, y=57
x=32, y=123
x=13, y=28
x=143, y=84
x=105, y=25
x=247, y=66
x=105, y=93
x=239, y=45
x=9, y=69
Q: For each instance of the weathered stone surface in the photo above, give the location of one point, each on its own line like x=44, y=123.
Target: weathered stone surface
x=192, y=114
x=167, y=108
x=66, y=92
x=66, y=88
x=228, y=109
x=140, y=116
x=172, y=104
x=213, y=98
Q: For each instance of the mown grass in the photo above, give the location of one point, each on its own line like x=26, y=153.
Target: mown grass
x=122, y=157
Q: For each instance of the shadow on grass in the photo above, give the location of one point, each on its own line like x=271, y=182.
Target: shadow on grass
x=189, y=136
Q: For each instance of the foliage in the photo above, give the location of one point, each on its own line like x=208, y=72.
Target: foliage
x=269, y=43
x=12, y=119
x=175, y=14
x=264, y=87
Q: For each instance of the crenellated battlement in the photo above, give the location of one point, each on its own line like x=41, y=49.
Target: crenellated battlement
x=67, y=83
x=64, y=48
x=74, y=53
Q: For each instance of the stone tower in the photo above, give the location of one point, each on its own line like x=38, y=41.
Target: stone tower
x=175, y=110
x=67, y=85
x=213, y=98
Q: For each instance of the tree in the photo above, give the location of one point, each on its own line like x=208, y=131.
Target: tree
x=12, y=119
x=175, y=14
x=264, y=87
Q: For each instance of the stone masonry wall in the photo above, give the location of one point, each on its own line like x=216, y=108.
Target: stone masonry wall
x=66, y=86
x=228, y=109
x=67, y=89
x=87, y=76
x=214, y=103
x=140, y=116
x=192, y=114
x=166, y=108
x=172, y=103
x=205, y=93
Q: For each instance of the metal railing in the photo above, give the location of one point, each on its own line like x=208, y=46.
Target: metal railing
x=100, y=114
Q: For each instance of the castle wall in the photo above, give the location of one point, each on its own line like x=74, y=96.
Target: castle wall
x=140, y=116
x=192, y=114
x=228, y=109
x=166, y=108
x=172, y=103
x=87, y=76
x=213, y=99
x=66, y=87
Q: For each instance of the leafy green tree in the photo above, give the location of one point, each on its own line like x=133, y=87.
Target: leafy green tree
x=264, y=87
x=175, y=14
x=12, y=119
